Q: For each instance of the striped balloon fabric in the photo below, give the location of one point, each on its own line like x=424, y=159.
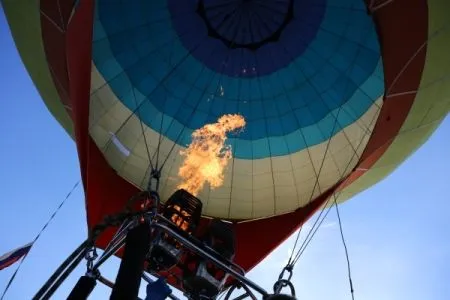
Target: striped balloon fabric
x=335, y=95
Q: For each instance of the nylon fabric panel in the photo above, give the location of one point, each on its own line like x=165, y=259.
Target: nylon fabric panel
x=252, y=188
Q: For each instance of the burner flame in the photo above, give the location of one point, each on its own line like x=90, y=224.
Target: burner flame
x=207, y=156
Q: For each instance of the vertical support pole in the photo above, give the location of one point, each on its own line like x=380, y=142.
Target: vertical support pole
x=83, y=288
x=61, y=273
x=128, y=279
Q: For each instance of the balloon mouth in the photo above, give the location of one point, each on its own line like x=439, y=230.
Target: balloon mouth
x=248, y=24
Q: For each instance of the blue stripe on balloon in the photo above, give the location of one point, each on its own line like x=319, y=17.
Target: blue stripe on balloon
x=287, y=109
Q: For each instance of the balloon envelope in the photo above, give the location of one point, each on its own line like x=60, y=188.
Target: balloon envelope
x=335, y=94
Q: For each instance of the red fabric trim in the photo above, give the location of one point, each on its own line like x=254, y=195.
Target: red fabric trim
x=400, y=40
x=106, y=192
x=55, y=50
x=256, y=239
x=58, y=11
x=78, y=50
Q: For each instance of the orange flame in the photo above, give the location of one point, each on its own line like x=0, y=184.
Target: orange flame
x=207, y=155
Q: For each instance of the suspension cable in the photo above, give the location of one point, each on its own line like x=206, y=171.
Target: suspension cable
x=13, y=276
x=225, y=63
x=387, y=95
x=289, y=265
x=346, y=250
x=315, y=185
x=313, y=230
x=318, y=223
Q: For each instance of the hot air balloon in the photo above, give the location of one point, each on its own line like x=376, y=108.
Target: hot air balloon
x=335, y=94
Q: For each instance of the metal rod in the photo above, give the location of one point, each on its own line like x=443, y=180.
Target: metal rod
x=242, y=296
x=128, y=278
x=106, y=281
x=233, y=269
x=238, y=267
x=70, y=259
x=111, y=252
x=57, y=283
x=123, y=229
x=247, y=293
x=83, y=288
x=160, y=217
x=109, y=283
x=206, y=255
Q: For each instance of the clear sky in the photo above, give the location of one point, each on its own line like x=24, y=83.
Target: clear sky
x=397, y=231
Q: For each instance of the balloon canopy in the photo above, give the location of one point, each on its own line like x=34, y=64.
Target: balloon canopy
x=335, y=95
x=303, y=79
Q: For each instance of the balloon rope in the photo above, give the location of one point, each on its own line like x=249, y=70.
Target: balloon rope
x=432, y=36
x=335, y=195
x=316, y=184
x=314, y=228
x=139, y=106
x=160, y=139
x=154, y=167
x=219, y=86
x=366, y=132
x=37, y=237
x=184, y=127
x=142, y=128
x=374, y=5
x=346, y=250
x=317, y=223
x=155, y=89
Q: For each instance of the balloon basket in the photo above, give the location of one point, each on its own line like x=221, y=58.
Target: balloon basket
x=140, y=235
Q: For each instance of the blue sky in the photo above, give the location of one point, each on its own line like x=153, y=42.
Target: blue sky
x=397, y=231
